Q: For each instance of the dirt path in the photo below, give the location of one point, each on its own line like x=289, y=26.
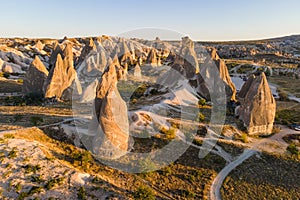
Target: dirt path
x=274, y=144
x=218, y=181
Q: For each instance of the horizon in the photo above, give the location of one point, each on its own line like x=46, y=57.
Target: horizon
x=216, y=21
x=209, y=41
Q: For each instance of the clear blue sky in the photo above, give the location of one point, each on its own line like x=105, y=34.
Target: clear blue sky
x=201, y=20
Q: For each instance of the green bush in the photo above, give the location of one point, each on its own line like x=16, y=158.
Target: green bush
x=20, y=81
x=201, y=102
x=144, y=193
x=13, y=153
x=36, y=120
x=4, y=74
x=31, y=168
x=244, y=138
x=84, y=158
x=292, y=148
x=201, y=117
x=53, y=182
x=170, y=133
x=82, y=193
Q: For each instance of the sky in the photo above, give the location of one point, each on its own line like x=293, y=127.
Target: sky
x=202, y=20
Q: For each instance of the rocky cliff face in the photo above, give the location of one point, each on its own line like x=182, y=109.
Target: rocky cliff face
x=62, y=79
x=258, y=105
x=111, y=113
x=152, y=58
x=35, y=77
x=187, y=51
x=137, y=70
x=213, y=77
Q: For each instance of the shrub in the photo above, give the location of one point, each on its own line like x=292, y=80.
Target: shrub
x=13, y=153
x=147, y=165
x=53, y=182
x=292, y=148
x=36, y=120
x=18, y=117
x=18, y=187
x=81, y=193
x=197, y=142
x=188, y=194
x=201, y=102
x=276, y=129
x=283, y=96
x=8, y=136
x=170, y=133
x=144, y=192
x=167, y=171
x=5, y=74
x=244, y=138
x=201, y=117
x=83, y=157
x=31, y=168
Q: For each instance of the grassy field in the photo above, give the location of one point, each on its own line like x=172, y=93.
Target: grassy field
x=15, y=117
x=287, y=112
x=187, y=178
x=9, y=86
x=287, y=84
x=265, y=177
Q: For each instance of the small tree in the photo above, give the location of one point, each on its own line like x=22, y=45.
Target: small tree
x=201, y=102
x=201, y=117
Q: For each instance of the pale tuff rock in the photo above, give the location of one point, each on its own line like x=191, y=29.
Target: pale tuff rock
x=35, y=77
x=185, y=61
x=39, y=45
x=56, y=50
x=89, y=47
x=11, y=68
x=111, y=113
x=121, y=71
x=63, y=77
x=258, y=106
x=214, y=77
x=137, y=71
x=187, y=52
x=1, y=63
x=89, y=93
x=163, y=47
x=152, y=58
x=125, y=55
x=93, y=65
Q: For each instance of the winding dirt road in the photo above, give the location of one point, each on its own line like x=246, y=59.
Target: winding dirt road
x=256, y=145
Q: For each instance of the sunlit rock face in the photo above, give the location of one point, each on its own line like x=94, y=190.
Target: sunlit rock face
x=62, y=80
x=111, y=113
x=187, y=52
x=137, y=71
x=214, y=77
x=152, y=58
x=92, y=62
x=258, y=105
x=35, y=78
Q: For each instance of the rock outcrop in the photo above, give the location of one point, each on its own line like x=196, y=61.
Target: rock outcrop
x=56, y=50
x=35, y=77
x=125, y=55
x=187, y=52
x=111, y=113
x=258, y=105
x=137, y=71
x=93, y=65
x=89, y=93
x=62, y=79
x=213, y=76
x=89, y=47
x=152, y=58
